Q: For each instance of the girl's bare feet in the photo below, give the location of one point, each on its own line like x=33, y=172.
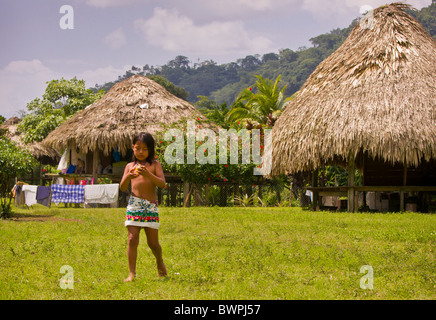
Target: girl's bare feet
x=130, y=278
x=161, y=270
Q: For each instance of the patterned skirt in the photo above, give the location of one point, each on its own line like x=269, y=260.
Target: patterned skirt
x=142, y=213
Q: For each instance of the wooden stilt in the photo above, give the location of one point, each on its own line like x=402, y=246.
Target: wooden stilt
x=351, y=169
x=40, y=174
x=95, y=158
x=315, y=195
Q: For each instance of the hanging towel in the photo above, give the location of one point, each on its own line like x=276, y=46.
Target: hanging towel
x=112, y=192
x=67, y=193
x=42, y=192
x=43, y=195
x=30, y=194
x=63, y=164
x=93, y=193
x=101, y=193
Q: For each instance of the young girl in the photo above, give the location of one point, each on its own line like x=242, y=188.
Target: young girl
x=145, y=173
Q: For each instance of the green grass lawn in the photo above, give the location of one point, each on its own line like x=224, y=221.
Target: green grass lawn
x=220, y=253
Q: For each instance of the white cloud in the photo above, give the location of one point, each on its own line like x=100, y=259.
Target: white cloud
x=241, y=6
x=258, y=5
x=102, y=75
x=173, y=32
x=229, y=9
x=26, y=67
x=351, y=8
x=21, y=82
x=339, y=7
x=116, y=39
x=109, y=3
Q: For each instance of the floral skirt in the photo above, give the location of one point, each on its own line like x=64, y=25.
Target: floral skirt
x=142, y=213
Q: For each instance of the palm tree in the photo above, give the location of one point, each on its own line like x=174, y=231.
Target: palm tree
x=261, y=108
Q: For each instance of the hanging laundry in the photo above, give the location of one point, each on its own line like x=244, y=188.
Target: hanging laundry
x=30, y=194
x=63, y=164
x=116, y=155
x=93, y=193
x=71, y=168
x=19, y=199
x=67, y=193
x=43, y=195
x=112, y=191
x=101, y=193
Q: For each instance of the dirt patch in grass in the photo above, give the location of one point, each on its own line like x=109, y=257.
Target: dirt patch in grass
x=41, y=218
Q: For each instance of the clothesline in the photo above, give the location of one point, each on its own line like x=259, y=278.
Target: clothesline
x=62, y=193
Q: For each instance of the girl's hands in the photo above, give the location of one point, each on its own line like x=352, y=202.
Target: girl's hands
x=143, y=171
x=133, y=173
x=139, y=170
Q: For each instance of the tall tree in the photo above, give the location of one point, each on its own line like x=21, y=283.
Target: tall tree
x=260, y=104
x=213, y=111
x=181, y=62
x=169, y=86
x=62, y=99
x=14, y=162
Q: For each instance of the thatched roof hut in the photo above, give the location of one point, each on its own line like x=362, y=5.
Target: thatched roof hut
x=374, y=96
x=130, y=106
x=106, y=127
x=43, y=154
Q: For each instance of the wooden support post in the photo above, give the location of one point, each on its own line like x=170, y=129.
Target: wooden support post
x=95, y=158
x=351, y=169
x=401, y=201
x=197, y=195
x=363, y=181
x=40, y=174
x=315, y=194
x=187, y=190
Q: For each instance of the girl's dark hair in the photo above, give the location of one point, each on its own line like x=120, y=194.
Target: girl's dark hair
x=148, y=139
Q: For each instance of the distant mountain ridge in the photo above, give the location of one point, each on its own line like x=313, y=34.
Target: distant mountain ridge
x=222, y=83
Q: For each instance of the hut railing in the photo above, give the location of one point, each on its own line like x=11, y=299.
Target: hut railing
x=344, y=191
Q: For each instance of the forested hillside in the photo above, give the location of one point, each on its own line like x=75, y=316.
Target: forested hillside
x=222, y=83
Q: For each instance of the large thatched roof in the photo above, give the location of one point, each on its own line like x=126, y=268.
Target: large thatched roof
x=374, y=94
x=130, y=106
x=45, y=155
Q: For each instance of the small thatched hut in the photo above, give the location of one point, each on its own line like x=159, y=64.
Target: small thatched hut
x=371, y=104
x=130, y=106
x=45, y=155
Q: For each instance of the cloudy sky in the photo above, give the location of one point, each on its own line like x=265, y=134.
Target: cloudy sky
x=98, y=40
